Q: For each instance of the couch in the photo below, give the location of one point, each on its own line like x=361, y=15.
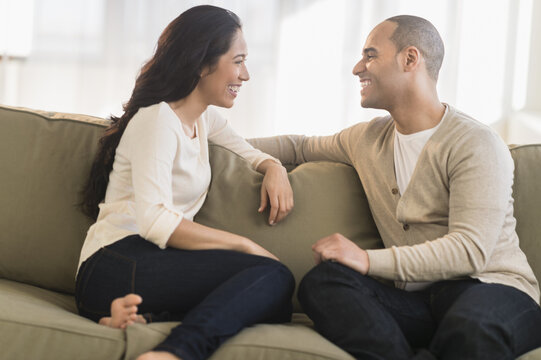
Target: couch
x=44, y=162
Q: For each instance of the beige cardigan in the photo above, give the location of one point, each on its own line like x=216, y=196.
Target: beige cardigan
x=455, y=218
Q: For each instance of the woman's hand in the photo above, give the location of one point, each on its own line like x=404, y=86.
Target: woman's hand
x=275, y=189
x=251, y=247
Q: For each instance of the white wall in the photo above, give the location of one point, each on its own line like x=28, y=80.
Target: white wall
x=524, y=126
x=83, y=57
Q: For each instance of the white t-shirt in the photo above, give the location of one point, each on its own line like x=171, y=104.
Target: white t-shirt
x=160, y=176
x=407, y=149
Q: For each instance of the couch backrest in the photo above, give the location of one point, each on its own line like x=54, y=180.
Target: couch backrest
x=45, y=159
x=527, y=195
x=328, y=198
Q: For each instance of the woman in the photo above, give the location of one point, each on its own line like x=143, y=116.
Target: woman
x=144, y=253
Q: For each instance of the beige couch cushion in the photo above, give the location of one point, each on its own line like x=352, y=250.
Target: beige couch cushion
x=45, y=160
x=41, y=324
x=328, y=197
x=527, y=195
x=292, y=341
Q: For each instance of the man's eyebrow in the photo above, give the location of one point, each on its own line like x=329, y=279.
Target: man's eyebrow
x=371, y=49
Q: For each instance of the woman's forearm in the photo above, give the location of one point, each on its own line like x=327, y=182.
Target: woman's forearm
x=193, y=236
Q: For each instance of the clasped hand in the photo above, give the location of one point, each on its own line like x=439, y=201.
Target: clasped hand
x=337, y=247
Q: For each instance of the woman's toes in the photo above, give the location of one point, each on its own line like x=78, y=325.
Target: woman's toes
x=124, y=311
x=132, y=299
x=105, y=321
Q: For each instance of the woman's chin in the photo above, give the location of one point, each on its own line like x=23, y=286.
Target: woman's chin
x=226, y=104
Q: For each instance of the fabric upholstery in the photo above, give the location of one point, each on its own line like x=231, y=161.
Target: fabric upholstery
x=323, y=205
x=44, y=161
x=41, y=324
x=527, y=195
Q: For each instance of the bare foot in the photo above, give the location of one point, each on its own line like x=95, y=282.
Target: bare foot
x=124, y=312
x=157, y=355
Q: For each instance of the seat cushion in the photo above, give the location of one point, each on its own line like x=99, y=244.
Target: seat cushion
x=532, y=355
x=294, y=341
x=40, y=324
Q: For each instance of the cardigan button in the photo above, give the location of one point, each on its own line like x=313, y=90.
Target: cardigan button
x=406, y=227
x=394, y=191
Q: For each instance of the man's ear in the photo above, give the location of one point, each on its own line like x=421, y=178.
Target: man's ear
x=412, y=58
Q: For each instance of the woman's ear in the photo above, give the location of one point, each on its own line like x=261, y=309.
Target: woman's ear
x=204, y=72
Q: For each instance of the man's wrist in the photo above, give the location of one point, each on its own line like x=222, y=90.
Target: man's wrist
x=382, y=263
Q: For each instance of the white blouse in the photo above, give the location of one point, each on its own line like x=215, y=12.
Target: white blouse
x=160, y=176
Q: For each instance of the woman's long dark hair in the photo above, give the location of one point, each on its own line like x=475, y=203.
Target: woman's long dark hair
x=194, y=40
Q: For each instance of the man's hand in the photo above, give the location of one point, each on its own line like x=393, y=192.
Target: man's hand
x=338, y=248
x=275, y=190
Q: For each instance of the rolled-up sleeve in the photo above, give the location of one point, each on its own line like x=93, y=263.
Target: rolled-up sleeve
x=153, y=149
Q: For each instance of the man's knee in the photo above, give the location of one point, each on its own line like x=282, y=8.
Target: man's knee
x=475, y=324
x=324, y=276
x=316, y=277
x=489, y=319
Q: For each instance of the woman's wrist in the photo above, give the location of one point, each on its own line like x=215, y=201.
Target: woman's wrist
x=267, y=164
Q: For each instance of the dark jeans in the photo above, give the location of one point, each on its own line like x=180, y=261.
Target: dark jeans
x=458, y=320
x=216, y=293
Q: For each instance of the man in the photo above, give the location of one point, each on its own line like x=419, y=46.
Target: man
x=439, y=186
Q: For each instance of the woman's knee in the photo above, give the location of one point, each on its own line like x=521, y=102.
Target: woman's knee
x=277, y=276
x=282, y=275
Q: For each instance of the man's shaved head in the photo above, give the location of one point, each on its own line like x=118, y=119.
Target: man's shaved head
x=418, y=32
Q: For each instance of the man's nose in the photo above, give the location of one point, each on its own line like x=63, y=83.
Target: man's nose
x=359, y=67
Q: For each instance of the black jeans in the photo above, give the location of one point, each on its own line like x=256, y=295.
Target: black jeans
x=215, y=293
x=455, y=320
